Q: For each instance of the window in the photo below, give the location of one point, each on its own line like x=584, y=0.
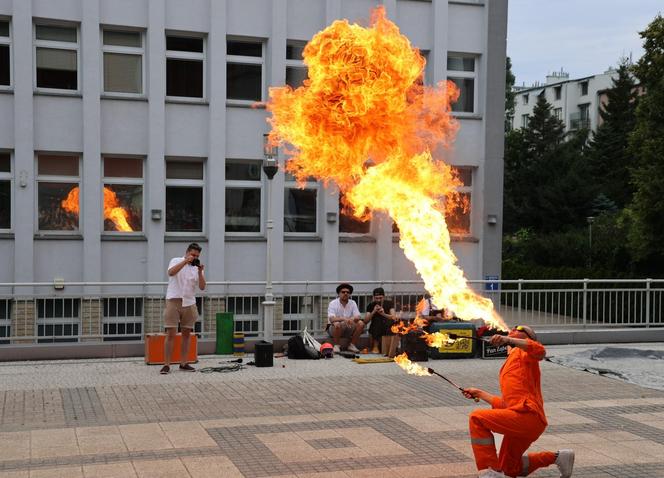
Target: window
x=245, y=311
x=296, y=71
x=123, y=318
x=525, y=99
x=184, y=196
x=300, y=311
x=56, y=57
x=243, y=196
x=457, y=215
x=58, y=320
x=348, y=223
x=58, y=187
x=185, y=66
x=5, y=54
x=584, y=88
x=122, y=208
x=244, y=70
x=558, y=113
x=5, y=320
x=558, y=92
x=300, y=205
x=123, y=62
x=462, y=71
x=524, y=121
x=5, y=191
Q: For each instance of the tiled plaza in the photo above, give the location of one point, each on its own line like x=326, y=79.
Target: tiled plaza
x=328, y=418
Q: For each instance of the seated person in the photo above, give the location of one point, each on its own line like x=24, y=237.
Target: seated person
x=380, y=316
x=343, y=319
x=426, y=309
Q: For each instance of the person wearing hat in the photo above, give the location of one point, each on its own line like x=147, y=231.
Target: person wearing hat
x=343, y=319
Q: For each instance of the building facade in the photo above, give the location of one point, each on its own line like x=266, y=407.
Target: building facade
x=127, y=131
x=575, y=102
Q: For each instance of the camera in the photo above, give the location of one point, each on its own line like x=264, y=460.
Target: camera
x=195, y=262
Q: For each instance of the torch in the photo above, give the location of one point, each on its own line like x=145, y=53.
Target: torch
x=433, y=372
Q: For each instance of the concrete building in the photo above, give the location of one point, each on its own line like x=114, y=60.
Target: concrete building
x=146, y=106
x=575, y=102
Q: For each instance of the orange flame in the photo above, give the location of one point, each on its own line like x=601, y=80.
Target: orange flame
x=438, y=339
x=112, y=209
x=412, y=368
x=364, y=120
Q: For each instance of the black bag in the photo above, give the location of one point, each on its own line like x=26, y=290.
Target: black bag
x=297, y=349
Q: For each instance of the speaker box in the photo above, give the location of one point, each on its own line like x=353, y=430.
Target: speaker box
x=415, y=347
x=263, y=354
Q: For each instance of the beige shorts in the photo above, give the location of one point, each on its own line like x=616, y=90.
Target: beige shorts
x=175, y=313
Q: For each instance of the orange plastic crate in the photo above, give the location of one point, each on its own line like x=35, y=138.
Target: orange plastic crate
x=154, y=349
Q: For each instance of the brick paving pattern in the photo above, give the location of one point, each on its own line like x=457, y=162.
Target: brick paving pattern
x=321, y=419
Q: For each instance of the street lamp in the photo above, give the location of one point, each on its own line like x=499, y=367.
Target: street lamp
x=270, y=168
x=590, y=220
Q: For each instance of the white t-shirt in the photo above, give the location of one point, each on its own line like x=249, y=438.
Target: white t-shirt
x=428, y=307
x=183, y=284
x=337, y=309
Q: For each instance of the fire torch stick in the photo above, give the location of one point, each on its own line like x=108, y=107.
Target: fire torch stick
x=432, y=371
x=458, y=337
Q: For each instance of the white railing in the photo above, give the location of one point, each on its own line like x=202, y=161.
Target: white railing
x=106, y=311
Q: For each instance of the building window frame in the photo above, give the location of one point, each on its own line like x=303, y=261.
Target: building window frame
x=351, y=220
x=57, y=45
x=258, y=184
x=113, y=321
x=466, y=188
x=310, y=185
x=123, y=181
x=247, y=60
x=583, y=88
x=190, y=56
x=8, y=176
x=558, y=113
x=295, y=63
x=123, y=50
x=48, y=314
x=189, y=183
x=463, y=75
x=525, y=97
x=7, y=41
x=60, y=178
x=524, y=121
x=558, y=92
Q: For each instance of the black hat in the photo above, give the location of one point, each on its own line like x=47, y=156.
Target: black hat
x=344, y=286
x=379, y=291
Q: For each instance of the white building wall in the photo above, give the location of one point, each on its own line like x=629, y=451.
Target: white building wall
x=92, y=124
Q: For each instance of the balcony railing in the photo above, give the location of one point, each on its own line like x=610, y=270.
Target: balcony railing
x=105, y=312
x=579, y=121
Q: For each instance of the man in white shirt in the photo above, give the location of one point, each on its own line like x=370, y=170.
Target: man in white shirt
x=184, y=275
x=343, y=318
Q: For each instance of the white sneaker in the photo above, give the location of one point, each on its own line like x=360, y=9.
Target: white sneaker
x=565, y=462
x=336, y=349
x=353, y=349
x=490, y=473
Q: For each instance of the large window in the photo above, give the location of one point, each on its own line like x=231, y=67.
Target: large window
x=558, y=91
x=123, y=62
x=243, y=196
x=56, y=57
x=5, y=54
x=296, y=71
x=185, y=66
x=300, y=311
x=300, y=205
x=122, y=208
x=123, y=318
x=5, y=191
x=244, y=70
x=462, y=71
x=524, y=120
x=558, y=113
x=458, y=214
x=58, y=320
x=583, y=87
x=58, y=191
x=184, y=196
x=348, y=223
x=245, y=310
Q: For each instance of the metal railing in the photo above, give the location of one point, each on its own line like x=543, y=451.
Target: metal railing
x=104, y=312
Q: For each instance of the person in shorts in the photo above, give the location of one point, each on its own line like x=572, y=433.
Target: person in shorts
x=185, y=274
x=343, y=319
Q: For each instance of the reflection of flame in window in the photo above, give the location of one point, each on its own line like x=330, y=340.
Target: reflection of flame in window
x=112, y=208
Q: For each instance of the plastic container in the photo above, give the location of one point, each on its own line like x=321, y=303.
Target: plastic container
x=154, y=349
x=238, y=344
x=224, y=333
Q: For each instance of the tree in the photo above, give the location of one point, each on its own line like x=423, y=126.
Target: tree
x=609, y=157
x=647, y=146
x=510, y=96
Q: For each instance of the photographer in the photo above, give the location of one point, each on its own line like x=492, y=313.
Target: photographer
x=184, y=274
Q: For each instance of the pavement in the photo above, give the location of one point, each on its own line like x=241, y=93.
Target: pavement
x=324, y=419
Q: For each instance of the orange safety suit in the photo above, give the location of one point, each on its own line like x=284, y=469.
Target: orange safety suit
x=518, y=415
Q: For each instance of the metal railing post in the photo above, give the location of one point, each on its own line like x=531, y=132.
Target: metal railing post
x=648, y=282
x=519, y=298
x=585, y=301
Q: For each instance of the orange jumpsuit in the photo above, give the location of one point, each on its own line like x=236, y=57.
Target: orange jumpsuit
x=518, y=415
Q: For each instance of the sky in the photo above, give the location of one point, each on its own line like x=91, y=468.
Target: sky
x=584, y=37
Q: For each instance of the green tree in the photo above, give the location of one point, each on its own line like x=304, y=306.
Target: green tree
x=647, y=146
x=609, y=157
x=510, y=96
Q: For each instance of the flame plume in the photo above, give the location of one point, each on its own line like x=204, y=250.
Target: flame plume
x=112, y=208
x=412, y=368
x=364, y=120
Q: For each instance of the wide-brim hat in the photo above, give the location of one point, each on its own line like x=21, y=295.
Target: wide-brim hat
x=344, y=286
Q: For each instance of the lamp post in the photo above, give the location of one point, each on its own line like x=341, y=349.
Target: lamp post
x=590, y=220
x=270, y=168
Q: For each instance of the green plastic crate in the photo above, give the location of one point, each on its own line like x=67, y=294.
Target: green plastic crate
x=224, y=333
